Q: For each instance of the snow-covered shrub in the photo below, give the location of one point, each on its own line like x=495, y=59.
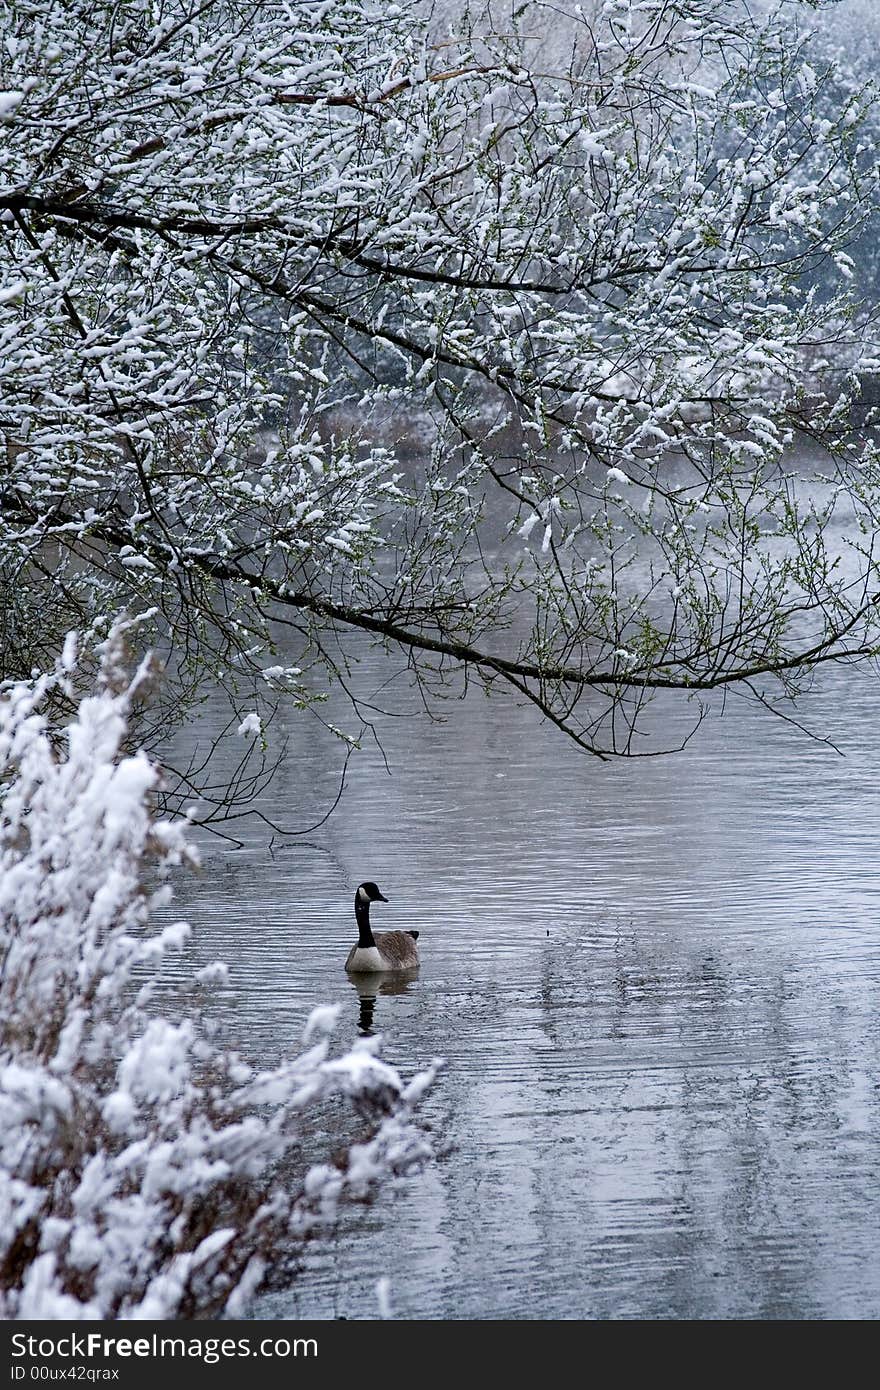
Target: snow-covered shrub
x=139, y=1161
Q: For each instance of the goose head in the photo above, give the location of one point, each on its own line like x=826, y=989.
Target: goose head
x=370, y=893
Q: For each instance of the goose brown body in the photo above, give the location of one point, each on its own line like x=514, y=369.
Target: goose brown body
x=397, y=951
x=387, y=950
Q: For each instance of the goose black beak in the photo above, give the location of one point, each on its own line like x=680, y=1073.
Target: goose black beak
x=382, y=898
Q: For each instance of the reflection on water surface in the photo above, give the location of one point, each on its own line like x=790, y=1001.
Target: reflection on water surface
x=655, y=983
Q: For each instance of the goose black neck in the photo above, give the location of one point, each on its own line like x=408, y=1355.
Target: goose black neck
x=362, y=914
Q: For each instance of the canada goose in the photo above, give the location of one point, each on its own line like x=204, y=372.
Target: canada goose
x=390, y=950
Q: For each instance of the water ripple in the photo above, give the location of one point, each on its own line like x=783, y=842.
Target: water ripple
x=657, y=987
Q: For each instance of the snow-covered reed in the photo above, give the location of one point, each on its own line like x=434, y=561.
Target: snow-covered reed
x=142, y=1170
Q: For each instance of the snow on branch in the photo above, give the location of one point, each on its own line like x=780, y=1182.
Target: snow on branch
x=294, y=299
x=138, y=1158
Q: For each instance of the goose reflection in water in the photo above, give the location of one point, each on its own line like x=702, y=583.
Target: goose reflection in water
x=369, y=987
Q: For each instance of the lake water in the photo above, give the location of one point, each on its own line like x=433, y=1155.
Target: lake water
x=655, y=983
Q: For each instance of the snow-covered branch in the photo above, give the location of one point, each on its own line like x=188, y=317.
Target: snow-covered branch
x=250, y=252
x=138, y=1158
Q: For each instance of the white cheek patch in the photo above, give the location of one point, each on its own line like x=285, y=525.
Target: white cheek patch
x=362, y=896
